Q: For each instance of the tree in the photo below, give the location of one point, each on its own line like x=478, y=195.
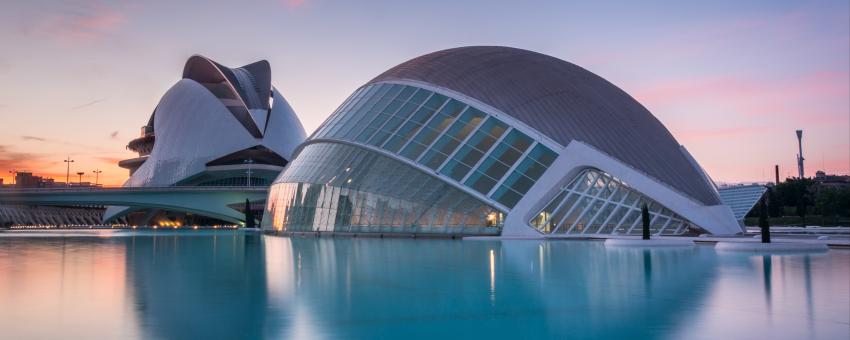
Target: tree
x=249, y=215
x=826, y=201
x=764, y=223
x=774, y=203
x=644, y=212
x=797, y=192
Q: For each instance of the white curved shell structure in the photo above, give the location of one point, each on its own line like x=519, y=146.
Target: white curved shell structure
x=212, y=121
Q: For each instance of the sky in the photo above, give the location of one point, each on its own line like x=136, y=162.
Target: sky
x=731, y=80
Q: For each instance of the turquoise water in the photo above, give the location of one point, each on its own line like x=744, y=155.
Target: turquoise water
x=234, y=284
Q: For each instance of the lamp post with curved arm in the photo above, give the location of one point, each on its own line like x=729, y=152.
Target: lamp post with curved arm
x=96, y=175
x=68, y=171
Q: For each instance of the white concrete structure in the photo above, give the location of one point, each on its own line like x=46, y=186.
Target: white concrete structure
x=212, y=127
x=493, y=141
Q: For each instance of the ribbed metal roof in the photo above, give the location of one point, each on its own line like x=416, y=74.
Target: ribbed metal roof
x=563, y=101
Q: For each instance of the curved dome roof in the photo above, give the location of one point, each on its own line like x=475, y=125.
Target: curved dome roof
x=245, y=90
x=563, y=101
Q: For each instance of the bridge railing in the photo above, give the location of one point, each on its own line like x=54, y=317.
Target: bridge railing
x=135, y=189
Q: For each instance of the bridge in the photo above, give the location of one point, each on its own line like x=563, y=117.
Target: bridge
x=207, y=201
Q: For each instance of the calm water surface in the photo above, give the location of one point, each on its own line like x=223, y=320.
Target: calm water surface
x=233, y=284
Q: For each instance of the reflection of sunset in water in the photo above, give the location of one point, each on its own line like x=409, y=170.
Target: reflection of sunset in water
x=64, y=288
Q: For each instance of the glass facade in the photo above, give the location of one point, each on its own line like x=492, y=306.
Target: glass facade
x=456, y=140
x=597, y=203
x=345, y=188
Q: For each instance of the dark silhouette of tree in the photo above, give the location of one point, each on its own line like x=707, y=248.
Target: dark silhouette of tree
x=644, y=212
x=774, y=203
x=249, y=215
x=797, y=192
x=764, y=223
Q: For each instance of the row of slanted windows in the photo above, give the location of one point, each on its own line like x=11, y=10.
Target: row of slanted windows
x=446, y=135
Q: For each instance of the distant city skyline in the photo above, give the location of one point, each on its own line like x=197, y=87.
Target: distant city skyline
x=731, y=81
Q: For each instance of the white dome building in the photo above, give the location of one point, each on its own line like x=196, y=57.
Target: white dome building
x=210, y=128
x=493, y=141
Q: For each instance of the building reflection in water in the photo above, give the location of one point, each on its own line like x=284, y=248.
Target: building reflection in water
x=244, y=285
x=776, y=296
x=200, y=285
x=346, y=287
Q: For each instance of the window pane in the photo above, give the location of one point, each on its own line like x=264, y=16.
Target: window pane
x=507, y=196
x=455, y=170
x=480, y=182
x=543, y=155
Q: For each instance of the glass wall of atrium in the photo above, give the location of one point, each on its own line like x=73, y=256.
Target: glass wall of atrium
x=345, y=188
x=459, y=142
x=597, y=203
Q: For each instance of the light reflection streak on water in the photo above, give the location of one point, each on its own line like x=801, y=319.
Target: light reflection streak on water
x=492, y=275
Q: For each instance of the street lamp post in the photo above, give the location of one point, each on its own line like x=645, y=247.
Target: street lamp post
x=68, y=171
x=80, y=182
x=249, y=162
x=96, y=175
x=14, y=173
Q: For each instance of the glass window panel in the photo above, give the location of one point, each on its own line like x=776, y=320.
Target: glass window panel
x=631, y=198
x=543, y=155
x=392, y=107
x=530, y=168
x=433, y=159
x=405, y=93
x=480, y=182
x=618, y=213
x=455, y=169
x=506, y=196
x=333, y=122
x=630, y=220
x=573, y=215
x=518, y=182
x=518, y=140
x=452, y=108
x=412, y=150
x=584, y=222
x=585, y=181
x=420, y=96
x=522, y=184
x=544, y=217
x=657, y=223
x=493, y=168
x=468, y=155
x=506, y=154
x=486, y=136
x=599, y=220
x=562, y=211
x=619, y=192
x=435, y=102
x=406, y=132
x=596, y=186
x=494, y=127
x=381, y=136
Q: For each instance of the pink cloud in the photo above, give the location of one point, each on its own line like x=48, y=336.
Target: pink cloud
x=756, y=97
x=689, y=135
x=85, y=25
x=293, y=3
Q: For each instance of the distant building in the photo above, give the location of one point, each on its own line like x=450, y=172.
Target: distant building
x=25, y=179
x=838, y=181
